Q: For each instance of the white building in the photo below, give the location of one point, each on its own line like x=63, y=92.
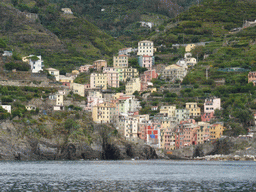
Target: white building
x=181, y=114
x=211, y=104
x=146, y=24
x=129, y=126
x=66, y=10
x=146, y=48
x=132, y=86
x=8, y=108
x=128, y=104
x=126, y=51
x=7, y=53
x=36, y=64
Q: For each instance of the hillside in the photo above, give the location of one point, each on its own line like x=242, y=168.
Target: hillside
x=64, y=42
x=121, y=18
x=222, y=55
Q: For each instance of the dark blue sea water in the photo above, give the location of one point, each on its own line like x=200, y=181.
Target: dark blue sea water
x=153, y=175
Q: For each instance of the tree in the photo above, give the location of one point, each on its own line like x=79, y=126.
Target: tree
x=2, y=43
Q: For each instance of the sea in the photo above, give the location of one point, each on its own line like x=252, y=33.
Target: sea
x=132, y=175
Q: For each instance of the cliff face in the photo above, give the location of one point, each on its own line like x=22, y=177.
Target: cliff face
x=15, y=146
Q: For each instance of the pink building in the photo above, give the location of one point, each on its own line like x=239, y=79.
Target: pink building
x=146, y=77
x=113, y=79
x=85, y=68
x=112, y=76
x=67, y=84
x=146, y=61
x=252, y=77
x=207, y=117
x=169, y=139
x=87, y=86
x=211, y=104
x=186, y=135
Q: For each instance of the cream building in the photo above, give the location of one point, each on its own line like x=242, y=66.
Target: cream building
x=189, y=47
x=120, y=61
x=168, y=111
x=54, y=72
x=203, y=132
x=194, y=110
x=99, y=64
x=127, y=73
x=78, y=89
x=59, y=99
x=63, y=78
x=132, y=86
x=128, y=125
x=106, y=112
x=174, y=72
x=146, y=48
x=98, y=80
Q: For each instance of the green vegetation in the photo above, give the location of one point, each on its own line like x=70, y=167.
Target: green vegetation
x=17, y=66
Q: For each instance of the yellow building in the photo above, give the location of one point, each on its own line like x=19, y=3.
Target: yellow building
x=63, y=78
x=189, y=47
x=78, y=89
x=75, y=72
x=132, y=86
x=153, y=89
x=98, y=80
x=120, y=61
x=216, y=131
x=194, y=110
x=99, y=64
x=168, y=111
x=105, y=113
x=203, y=132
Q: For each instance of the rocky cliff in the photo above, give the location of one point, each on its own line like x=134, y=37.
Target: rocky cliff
x=14, y=145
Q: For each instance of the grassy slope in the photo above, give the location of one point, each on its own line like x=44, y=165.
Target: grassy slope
x=77, y=41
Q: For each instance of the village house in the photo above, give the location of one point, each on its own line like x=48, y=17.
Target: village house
x=174, y=72
x=194, y=110
x=65, y=79
x=54, y=72
x=128, y=125
x=189, y=47
x=128, y=104
x=112, y=76
x=182, y=63
x=168, y=110
x=98, y=80
x=30, y=107
x=66, y=11
x=99, y=64
x=59, y=101
x=7, y=54
x=207, y=117
x=181, y=114
x=146, y=61
x=94, y=98
x=8, y=108
x=186, y=134
x=78, y=89
x=252, y=77
x=106, y=112
x=126, y=51
x=216, y=131
x=168, y=142
x=146, y=24
x=203, y=132
x=127, y=73
x=85, y=68
x=36, y=63
x=132, y=86
x=211, y=104
x=120, y=61
x=145, y=48
x=191, y=61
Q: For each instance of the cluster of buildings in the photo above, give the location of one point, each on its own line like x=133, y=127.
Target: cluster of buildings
x=169, y=129
x=179, y=70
